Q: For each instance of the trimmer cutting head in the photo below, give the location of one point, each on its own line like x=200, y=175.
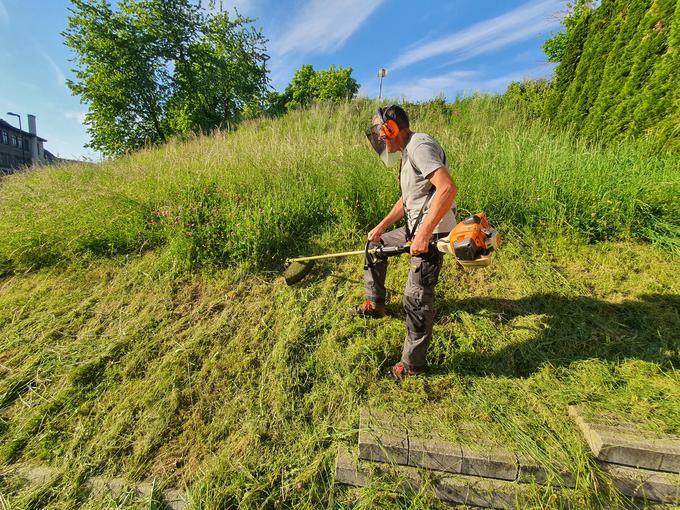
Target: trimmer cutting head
x=297, y=270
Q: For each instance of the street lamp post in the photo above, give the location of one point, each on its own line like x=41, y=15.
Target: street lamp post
x=21, y=136
x=382, y=72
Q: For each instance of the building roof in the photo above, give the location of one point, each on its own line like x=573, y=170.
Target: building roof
x=52, y=159
x=7, y=125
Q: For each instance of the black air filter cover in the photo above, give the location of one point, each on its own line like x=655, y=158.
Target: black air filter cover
x=466, y=249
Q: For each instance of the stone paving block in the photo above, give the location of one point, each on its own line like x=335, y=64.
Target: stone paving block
x=175, y=500
x=380, y=440
x=529, y=470
x=475, y=491
x=34, y=475
x=490, y=462
x=435, y=454
x=347, y=469
x=486, y=461
x=646, y=484
x=383, y=436
x=457, y=489
x=626, y=446
x=115, y=487
x=172, y=499
x=39, y=475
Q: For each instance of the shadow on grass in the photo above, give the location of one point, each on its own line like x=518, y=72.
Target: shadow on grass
x=574, y=328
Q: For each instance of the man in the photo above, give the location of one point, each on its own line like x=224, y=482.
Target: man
x=427, y=198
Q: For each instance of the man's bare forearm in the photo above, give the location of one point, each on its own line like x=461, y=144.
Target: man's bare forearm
x=394, y=215
x=442, y=202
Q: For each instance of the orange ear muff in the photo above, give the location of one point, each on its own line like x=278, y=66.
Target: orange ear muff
x=390, y=129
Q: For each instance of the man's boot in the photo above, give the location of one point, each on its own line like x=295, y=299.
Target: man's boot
x=369, y=309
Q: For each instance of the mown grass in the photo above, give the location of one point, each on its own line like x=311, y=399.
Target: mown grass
x=144, y=331
x=241, y=389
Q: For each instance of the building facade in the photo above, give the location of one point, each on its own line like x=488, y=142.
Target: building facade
x=20, y=148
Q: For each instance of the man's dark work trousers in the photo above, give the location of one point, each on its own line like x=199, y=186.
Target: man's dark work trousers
x=418, y=297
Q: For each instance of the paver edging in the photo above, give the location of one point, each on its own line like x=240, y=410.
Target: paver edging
x=379, y=441
x=645, y=484
x=451, y=488
x=38, y=475
x=622, y=445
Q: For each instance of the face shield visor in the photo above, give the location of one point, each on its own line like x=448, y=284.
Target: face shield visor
x=376, y=136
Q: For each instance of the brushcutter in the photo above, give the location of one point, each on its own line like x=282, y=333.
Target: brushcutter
x=472, y=241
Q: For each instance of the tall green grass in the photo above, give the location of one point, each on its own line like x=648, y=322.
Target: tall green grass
x=271, y=188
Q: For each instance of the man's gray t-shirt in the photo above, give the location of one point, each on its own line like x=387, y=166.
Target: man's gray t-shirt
x=420, y=158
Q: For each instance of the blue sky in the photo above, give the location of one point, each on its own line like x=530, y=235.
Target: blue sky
x=454, y=47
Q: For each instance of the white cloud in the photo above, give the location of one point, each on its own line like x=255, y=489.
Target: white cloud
x=429, y=87
x=459, y=83
x=528, y=20
x=4, y=15
x=77, y=116
x=58, y=74
x=322, y=26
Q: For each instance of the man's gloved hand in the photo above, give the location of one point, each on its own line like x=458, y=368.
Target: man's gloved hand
x=374, y=235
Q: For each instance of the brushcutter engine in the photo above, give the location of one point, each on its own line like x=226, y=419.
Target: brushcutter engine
x=472, y=241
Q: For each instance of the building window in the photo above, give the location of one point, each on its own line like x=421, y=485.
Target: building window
x=5, y=138
x=21, y=143
x=15, y=141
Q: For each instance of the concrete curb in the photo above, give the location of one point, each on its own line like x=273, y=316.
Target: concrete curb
x=645, y=484
x=640, y=464
x=39, y=475
x=458, y=489
x=629, y=447
x=384, y=439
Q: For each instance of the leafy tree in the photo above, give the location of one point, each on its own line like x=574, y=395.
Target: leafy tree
x=334, y=83
x=659, y=109
x=616, y=67
x=583, y=89
x=649, y=54
x=529, y=94
x=556, y=46
x=301, y=92
x=151, y=69
x=275, y=103
x=618, y=77
x=566, y=70
x=308, y=85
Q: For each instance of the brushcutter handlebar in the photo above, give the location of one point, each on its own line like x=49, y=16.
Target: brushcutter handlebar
x=391, y=251
x=373, y=255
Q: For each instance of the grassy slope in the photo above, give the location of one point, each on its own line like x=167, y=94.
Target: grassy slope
x=241, y=388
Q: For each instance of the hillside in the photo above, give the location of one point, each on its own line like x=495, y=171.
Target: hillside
x=145, y=331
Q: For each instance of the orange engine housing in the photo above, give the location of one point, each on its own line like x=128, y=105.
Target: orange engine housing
x=469, y=237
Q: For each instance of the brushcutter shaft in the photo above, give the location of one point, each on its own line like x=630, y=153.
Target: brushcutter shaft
x=299, y=267
x=385, y=251
x=330, y=256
